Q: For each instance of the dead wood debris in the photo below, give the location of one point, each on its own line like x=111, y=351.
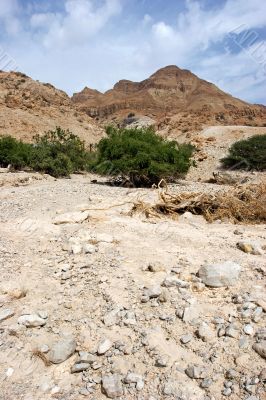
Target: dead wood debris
x=242, y=204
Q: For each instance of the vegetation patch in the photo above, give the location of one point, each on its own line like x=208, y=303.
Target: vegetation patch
x=249, y=154
x=58, y=153
x=142, y=156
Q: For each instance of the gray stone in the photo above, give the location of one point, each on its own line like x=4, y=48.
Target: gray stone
x=85, y=357
x=171, y=281
x=206, y=383
x=186, y=338
x=196, y=372
x=111, y=318
x=31, y=320
x=62, y=350
x=5, y=314
x=220, y=275
x=191, y=313
x=112, y=386
x=135, y=378
x=162, y=361
x=227, y=392
x=260, y=348
x=232, y=332
x=104, y=346
x=153, y=292
x=79, y=367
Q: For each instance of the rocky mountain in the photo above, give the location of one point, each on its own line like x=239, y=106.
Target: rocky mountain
x=28, y=107
x=174, y=98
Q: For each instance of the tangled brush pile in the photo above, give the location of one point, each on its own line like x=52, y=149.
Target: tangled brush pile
x=243, y=204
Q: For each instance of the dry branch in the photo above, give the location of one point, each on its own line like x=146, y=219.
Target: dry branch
x=243, y=204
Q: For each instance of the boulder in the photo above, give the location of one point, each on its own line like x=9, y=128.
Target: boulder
x=220, y=275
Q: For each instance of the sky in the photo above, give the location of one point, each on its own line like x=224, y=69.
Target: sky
x=76, y=43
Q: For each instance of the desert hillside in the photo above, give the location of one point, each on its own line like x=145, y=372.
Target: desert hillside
x=176, y=99
x=28, y=107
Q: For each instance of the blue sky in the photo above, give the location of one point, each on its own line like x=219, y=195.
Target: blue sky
x=95, y=43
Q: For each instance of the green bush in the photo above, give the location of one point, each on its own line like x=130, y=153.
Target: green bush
x=141, y=155
x=14, y=152
x=58, y=153
x=247, y=154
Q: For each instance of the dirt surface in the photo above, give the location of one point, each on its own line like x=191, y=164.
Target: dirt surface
x=87, y=281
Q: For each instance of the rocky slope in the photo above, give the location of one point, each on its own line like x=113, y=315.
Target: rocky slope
x=176, y=99
x=28, y=107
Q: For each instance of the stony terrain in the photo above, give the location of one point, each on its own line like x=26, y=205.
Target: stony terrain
x=28, y=107
x=95, y=303
x=176, y=100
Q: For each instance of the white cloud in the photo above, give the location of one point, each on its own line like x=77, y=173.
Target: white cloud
x=80, y=21
x=9, y=9
x=84, y=45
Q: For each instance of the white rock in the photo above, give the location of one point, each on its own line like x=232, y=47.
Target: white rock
x=171, y=281
x=5, y=314
x=89, y=248
x=248, y=329
x=31, y=320
x=104, y=346
x=71, y=217
x=205, y=332
x=191, y=313
x=219, y=275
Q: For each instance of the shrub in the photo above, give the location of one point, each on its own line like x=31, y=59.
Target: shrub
x=247, y=154
x=58, y=153
x=141, y=155
x=14, y=152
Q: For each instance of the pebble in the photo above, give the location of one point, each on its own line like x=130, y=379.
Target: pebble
x=153, y=292
x=104, y=346
x=135, y=378
x=248, y=329
x=205, y=333
x=79, y=367
x=171, y=281
x=250, y=247
x=89, y=248
x=260, y=348
x=196, y=372
x=186, y=338
x=5, y=314
x=162, y=361
x=112, y=386
x=31, y=320
x=227, y=392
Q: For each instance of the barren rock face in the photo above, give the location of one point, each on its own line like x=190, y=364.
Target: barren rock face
x=28, y=107
x=173, y=91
